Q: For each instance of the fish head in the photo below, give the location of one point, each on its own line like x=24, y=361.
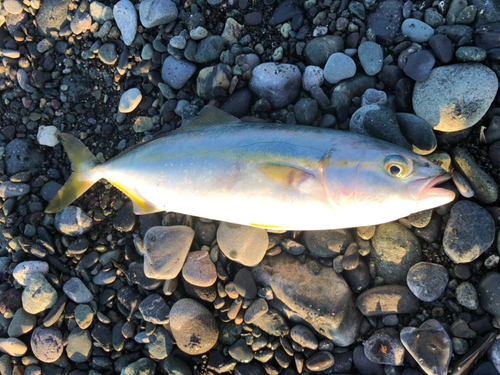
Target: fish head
x=385, y=181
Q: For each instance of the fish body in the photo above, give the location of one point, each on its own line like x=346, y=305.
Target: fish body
x=267, y=175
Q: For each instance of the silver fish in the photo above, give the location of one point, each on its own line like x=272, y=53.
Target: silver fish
x=272, y=176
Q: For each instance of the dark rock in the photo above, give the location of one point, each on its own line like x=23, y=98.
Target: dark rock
x=419, y=65
x=238, y=103
x=385, y=21
x=21, y=155
x=285, y=11
x=387, y=299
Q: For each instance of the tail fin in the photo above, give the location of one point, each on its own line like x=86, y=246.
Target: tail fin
x=82, y=178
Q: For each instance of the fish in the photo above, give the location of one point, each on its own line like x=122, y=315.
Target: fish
x=266, y=175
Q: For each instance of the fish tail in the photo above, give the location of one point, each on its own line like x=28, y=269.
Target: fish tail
x=83, y=177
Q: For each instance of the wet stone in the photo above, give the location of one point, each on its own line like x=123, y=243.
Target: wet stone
x=470, y=231
x=384, y=347
x=193, y=327
x=429, y=345
x=470, y=54
x=460, y=329
x=396, y=249
x=166, y=249
x=387, y=299
x=47, y=344
x=418, y=133
x=243, y=244
x=427, y=280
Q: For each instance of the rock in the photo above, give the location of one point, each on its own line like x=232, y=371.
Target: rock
x=21, y=323
x=470, y=54
x=460, y=329
x=485, y=188
x=209, y=49
x=79, y=345
x=429, y=345
x=305, y=297
x=488, y=290
x=306, y=111
x=320, y=361
x=385, y=21
x=165, y=250
x=84, y=316
x=13, y=6
x=47, y=344
x=193, y=327
x=278, y=83
x=76, y=290
x=238, y=103
x=177, y=72
x=72, y=221
x=143, y=124
x=494, y=355
x=469, y=232
x=143, y=366
x=161, y=344
x=396, y=249
x=387, y=299
x=417, y=132
x=218, y=76
x=38, y=295
x=81, y=22
x=47, y=135
x=100, y=12
x=416, y=30
x=378, y=122
x=178, y=42
x=419, y=65
x=455, y=97
x=154, y=309
x=384, y=347
x=339, y=67
x=466, y=295
x=318, y=50
x=126, y=19
x=304, y=337
x=272, y=323
x=199, y=270
x=442, y=47
x=242, y=244
x=286, y=11
x=232, y=31
x=174, y=366
x=198, y=33
x=20, y=154
x=258, y=308
x=13, y=347
x=107, y=53
x=327, y=243
x=51, y=16
x=10, y=301
x=313, y=76
x=371, y=57
x=427, y=280
x=23, y=271
x=350, y=88
x=157, y=12
x=240, y=351
x=10, y=189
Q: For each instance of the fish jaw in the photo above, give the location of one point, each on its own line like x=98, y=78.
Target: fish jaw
x=425, y=192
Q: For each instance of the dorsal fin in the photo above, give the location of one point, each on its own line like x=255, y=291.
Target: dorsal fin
x=210, y=116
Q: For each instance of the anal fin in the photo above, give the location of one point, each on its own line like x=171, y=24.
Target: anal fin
x=141, y=205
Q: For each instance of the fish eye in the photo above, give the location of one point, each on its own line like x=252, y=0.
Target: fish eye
x=397, y=166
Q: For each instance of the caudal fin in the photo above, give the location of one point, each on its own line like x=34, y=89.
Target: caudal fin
x=82, y=178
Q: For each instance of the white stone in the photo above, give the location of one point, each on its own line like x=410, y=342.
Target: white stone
x=24, y=270
x=47, y=135
x=126, y=20
x=129, y=100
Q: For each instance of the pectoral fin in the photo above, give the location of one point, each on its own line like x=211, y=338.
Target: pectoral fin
x=284, y=174
x=140, y=204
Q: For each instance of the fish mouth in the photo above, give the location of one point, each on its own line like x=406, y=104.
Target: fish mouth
x=425, y=188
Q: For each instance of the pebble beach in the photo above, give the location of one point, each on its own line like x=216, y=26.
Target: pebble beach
x=95, y=289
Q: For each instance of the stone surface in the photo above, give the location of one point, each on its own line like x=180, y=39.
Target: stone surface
x=243, y=244
x=51, y=16
x=126, y=19
x=427, y=280
x=396, y=249
x=384, y=347
x=38, y=295
x=387, y=299
x=177, y=72
x=488, y=290
x=76, y=290
x=79, y=347
x=455, y=97
x=13, y=347
x=47, y=344
x=318, y=50
x=154, y=309
x=199, y=270
x=129, y=100
x=278, y=83
x=429, y=345
x=321, y=299
x=339, y=67
x=371, y=57
x=193, y=327
x=157, y=12
x=25, y=270
x=21, y=323
x=416, y=30
x=72, y=221
x=165, y=250
x=469, y=232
